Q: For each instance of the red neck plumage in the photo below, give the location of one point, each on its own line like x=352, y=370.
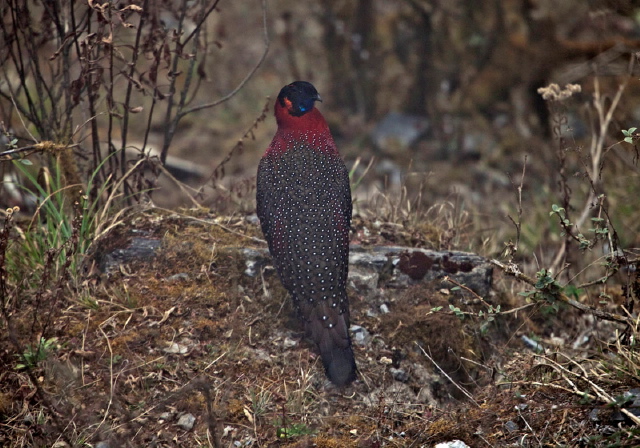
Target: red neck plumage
x=310, y=128
x=311, y=121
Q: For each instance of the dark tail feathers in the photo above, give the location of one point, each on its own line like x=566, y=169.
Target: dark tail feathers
x=339, y=365
x=334, y=345
x=328, y=327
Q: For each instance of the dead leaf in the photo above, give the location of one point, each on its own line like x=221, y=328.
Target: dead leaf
x=165, y=316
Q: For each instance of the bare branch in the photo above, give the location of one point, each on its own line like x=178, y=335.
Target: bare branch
x=513, y=270
x=249, y=75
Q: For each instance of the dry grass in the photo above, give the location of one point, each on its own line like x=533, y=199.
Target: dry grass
x=188, y=333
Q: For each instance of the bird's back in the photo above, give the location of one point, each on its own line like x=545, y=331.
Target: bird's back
x=304, y=206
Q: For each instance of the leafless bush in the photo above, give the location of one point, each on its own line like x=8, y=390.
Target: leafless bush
x=590, y=252
x=81, y=83
x=94, y=74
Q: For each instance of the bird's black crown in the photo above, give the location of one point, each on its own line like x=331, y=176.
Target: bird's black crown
x=301, y=96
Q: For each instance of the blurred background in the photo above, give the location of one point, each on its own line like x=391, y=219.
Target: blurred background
x=433, y=104
x=503, y=127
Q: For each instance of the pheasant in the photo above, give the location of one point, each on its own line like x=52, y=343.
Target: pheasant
x=304, y=206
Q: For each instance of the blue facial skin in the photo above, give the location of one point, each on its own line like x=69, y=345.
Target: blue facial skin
x=302, y=96
x=303, y=106
x=306, y=104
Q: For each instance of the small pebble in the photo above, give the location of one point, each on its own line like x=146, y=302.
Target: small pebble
x=288, y=342
x=511, y=426
x=186, y=421
x=399, y=375
x=183, y=276
x=175, y=348
x=453, y=444
x=360, y=334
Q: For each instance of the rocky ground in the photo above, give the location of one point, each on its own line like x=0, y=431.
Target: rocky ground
x=181, y=335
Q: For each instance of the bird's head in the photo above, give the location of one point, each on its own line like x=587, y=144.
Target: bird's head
x=299, y=121
x=298, y=98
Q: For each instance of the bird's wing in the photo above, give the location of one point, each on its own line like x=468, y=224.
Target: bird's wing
x=263, y=197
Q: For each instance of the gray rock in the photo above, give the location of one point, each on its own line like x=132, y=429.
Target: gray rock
x=253, y=219
x=255, y=260
x=360, y=335
x=139, y=248
x=411, y=266
x=532, y=344
x=452, y=444
x=186, y=421
x=176, y=349
x=616, y=417
x=364, y=281
x=399, y=375
x=511, y=426
x=288, y=342
x=369, y=268
x=398, y=131
x=633, y=396
x=398, y=267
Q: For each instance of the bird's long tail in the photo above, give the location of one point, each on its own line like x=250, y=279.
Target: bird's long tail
x=329, y=329
x=339, y=363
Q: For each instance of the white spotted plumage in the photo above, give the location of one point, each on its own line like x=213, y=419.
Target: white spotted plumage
x=304, y=206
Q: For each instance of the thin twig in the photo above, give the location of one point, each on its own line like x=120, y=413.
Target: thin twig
x=513, y=270
x=111, y=383
x=249, y=75
x=179, y=184
x=203, y=17
x=249, y=132
x=518, y=222
x=205, y=221
x=600, y=392
x=520, y=308
x=597, y=144
x=527, y=424
x=38, y=147
x=466, y=288
x=462, y=389
x=26, y=128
